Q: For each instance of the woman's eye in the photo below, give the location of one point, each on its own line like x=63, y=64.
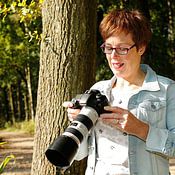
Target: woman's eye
x=122, y=49
x=108, y=48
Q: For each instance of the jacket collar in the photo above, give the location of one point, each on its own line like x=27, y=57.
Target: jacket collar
x=151, y=82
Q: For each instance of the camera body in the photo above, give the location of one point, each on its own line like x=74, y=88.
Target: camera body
x=62, y=151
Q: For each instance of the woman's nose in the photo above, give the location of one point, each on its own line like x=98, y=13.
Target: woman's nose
x=114, y=54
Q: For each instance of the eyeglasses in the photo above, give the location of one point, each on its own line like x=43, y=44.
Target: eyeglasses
x=119, y=50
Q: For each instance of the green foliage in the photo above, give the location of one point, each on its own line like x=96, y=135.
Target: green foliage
x=2, y=122
x=28, y=126
x=6, y=160
x=2, y=143
x=25, y=126
x=20, y=34
x=161, y=52
x=28, y=13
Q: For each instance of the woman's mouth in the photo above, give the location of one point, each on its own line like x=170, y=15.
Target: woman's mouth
x=117, y=65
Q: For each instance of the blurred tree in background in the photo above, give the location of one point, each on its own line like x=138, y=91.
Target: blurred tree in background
x=20, y=29
x=20, y=34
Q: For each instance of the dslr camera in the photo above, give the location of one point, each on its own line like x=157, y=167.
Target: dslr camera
x=62, y=151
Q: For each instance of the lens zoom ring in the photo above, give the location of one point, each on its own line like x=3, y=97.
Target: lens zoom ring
x=85, y=120
x=75, y=132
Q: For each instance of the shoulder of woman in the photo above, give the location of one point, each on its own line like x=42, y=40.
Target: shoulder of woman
x=165, y=80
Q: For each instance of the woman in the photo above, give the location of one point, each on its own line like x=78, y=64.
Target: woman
x=138, y=136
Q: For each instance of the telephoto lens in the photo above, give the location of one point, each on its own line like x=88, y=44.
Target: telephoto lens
x=62, y=151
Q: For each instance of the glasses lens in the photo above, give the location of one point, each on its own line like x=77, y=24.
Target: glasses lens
x=108, y=50
x=121, y=51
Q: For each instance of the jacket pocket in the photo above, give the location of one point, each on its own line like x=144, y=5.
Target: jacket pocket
x=152, y=112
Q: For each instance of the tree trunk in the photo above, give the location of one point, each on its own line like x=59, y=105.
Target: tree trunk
x=171, y=30
x=19, y=102
x=170, y=20
x=29, y=88
x=6, y=104
x=67, y=67
x=26, y=110
x=11, y=103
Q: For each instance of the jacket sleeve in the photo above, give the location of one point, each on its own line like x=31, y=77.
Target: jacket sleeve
x=162, y=141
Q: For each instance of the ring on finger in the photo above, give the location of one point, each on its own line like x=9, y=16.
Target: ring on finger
x=116, y=121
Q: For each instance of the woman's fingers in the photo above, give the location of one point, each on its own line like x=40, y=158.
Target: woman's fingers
x=67, y=104
x=114, y=109
x=72, y=113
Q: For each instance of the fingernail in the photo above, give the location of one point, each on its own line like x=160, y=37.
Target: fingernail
x=107, y=107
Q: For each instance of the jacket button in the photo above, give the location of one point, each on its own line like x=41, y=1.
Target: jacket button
x=120, y=101
x=153, y=106
x=125, y=134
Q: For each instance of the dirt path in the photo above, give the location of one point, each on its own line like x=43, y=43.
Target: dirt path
x=21, y=146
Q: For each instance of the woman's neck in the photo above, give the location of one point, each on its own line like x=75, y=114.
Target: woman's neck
x=133, y=84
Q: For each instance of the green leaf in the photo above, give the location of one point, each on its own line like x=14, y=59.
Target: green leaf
x=5, y=162
x=2, y=143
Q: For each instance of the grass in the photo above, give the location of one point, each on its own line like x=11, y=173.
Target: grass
x=25, y=126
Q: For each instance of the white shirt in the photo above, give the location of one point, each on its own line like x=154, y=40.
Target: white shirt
x=112, y=147
x=112, y=144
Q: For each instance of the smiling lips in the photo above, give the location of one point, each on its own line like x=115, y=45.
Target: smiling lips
x=117, y=65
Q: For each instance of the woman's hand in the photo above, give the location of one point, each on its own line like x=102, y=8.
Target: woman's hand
x=125, y=121
x=72, y=113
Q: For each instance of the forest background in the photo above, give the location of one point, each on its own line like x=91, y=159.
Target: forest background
x=21, y=36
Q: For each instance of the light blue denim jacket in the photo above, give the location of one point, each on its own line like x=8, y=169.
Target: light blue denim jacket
x=155, y=105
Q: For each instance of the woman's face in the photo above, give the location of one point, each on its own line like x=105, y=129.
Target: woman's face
x=124, y=66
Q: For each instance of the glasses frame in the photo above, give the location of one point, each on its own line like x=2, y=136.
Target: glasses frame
x=115, y=48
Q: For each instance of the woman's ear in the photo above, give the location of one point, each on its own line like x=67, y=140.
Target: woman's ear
x=141, y=50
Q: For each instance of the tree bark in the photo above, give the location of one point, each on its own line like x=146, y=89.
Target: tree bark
x=29, y=88
x=170, y=29
x=26, y=106
x=6, y=106
x=19, y=101
x=11, y=103
x=67, y=67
